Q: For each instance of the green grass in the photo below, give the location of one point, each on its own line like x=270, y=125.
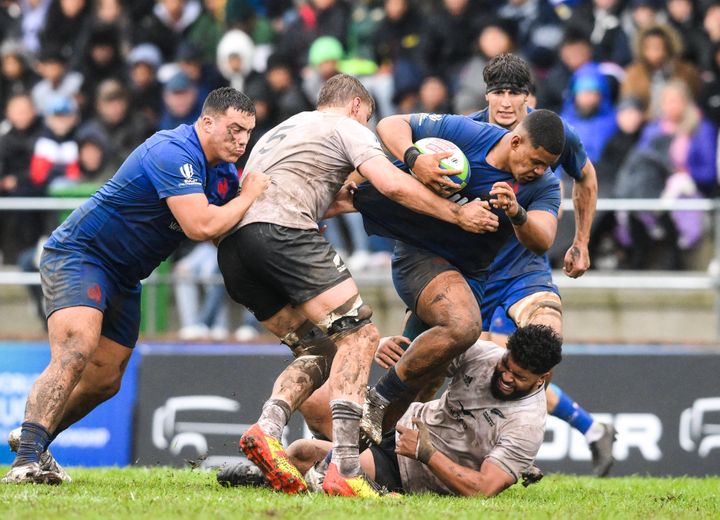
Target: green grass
x=172, y=493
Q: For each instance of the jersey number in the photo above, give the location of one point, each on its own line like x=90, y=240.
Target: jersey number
x=278, y=135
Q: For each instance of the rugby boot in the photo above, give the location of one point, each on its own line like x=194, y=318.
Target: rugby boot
x=602, y=452
x=241, y=474
x=47, y=461
x=315, y=476
x=372, y=417
x=268, y=454
x=532, y=475
x=334, y=484
x=30, y=473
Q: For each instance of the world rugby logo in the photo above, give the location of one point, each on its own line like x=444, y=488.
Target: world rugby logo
x=187, y=171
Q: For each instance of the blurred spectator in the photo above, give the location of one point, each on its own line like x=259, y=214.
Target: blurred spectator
x=146, y=90
x=32, y=22
x=55, y=155
x=66, y=28
x=589, y=109
x=434, y=96
x=208, y=29
x=205, y=76
x=642, y=15
x=181, y=104
x=15, y=75
x=120, y=128
x=448, y=39
x=19, y=230
x=113, y=13
x=102, y=60
x=57, y=80
x=630, y=119
x=575, y=51
x=657, y=60
x=235, y=57
x=682, y=17
x=495, y=38
x=711, y=24
x=206, y=318
x=289, y=97
x=539, y=30
x=710, y=95
x=169, y=23
x=398, y=45
x=366, y=16
x=264, y=101
x=323, y=58
x=93, y=155
x=600, y=19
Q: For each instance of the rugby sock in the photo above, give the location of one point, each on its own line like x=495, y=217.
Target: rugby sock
x=390, y=386
x=346, y=425
x=34, y=440
x=275, y=415
x=571, y=412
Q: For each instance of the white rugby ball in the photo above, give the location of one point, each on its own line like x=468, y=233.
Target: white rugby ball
x=457, y=161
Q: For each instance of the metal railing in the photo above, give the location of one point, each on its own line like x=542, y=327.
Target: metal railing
x=657, y=280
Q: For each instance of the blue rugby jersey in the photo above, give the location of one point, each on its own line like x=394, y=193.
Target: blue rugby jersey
x=515, y=259
x=127, y=224
x=470, y=252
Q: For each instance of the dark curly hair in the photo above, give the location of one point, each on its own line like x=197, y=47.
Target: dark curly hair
x=537, y=348
x=221, y=99
x=545, y=129
x=507, y=72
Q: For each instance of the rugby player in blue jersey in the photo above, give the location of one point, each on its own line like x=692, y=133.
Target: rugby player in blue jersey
x=179, y=183
x=519, y=290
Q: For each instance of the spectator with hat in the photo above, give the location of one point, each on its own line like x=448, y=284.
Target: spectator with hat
x=181, y=104
x=145, y=89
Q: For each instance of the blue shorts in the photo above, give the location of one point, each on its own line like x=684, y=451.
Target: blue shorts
x=501, y=294
x=413, y=269
x=74, y=279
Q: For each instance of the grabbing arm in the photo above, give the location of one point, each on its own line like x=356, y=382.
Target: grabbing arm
x=584, y=197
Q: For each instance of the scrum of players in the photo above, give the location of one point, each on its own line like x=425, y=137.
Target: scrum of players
x=483, y=433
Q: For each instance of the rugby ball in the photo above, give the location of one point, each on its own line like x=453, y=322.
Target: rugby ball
x=457, y=161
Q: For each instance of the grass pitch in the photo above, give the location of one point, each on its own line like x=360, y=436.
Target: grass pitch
x=173, y=493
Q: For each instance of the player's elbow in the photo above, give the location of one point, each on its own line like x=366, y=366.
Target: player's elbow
x=200, y=232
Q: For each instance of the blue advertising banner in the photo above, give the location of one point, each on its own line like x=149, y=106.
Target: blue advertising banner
x=103, y=438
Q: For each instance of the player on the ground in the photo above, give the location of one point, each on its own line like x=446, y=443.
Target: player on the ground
x=437, y=269
x=279, y=266
x=482, y=433
x=520, y=289
x=178, y=183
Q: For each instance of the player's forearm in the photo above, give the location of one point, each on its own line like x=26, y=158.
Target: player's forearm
x=414, y=195
x=395, y=134
x=218, y=220
x=584, y=196
x=463, y=481
x=538, y=232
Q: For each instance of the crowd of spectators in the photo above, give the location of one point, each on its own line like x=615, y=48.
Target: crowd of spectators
x=82, y=82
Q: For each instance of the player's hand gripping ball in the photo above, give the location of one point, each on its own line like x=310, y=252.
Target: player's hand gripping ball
x=457, y=161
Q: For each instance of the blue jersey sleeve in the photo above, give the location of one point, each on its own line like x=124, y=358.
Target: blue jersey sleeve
x=464, y=132
x=546, y=196
x=173, y=170
x=573, y=156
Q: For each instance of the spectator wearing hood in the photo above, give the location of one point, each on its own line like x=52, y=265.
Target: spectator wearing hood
x=67, y=25
x=145, y=89
x=589, y=109
x=103, y=60
x=657, y=61
x=93, y=156
x=235, y=58
x=16, y=76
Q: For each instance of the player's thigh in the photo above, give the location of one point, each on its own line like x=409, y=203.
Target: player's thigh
x=447, y=300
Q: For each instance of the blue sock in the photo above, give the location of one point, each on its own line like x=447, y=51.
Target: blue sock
x=391, y=386
x=571, y=412
x=34, y=440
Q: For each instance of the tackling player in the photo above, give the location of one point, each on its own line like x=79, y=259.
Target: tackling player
x=482, y=433
x=279, y=266
x=179, y=183
x=520, y=290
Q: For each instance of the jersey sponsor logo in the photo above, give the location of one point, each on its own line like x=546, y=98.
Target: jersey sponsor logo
x=467, y=379
x=431, y=117
x=94, y=292
x=174, y=226
x=187, y=171
x=487, y=414
x=339, y=264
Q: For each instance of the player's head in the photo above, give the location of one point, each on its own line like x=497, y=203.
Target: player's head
x=344, y=91
x=532, y=352
x=508, y=80
x=535, y=145
x=225, y=123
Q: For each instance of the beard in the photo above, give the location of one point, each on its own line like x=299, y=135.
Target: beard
x=498, y=394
